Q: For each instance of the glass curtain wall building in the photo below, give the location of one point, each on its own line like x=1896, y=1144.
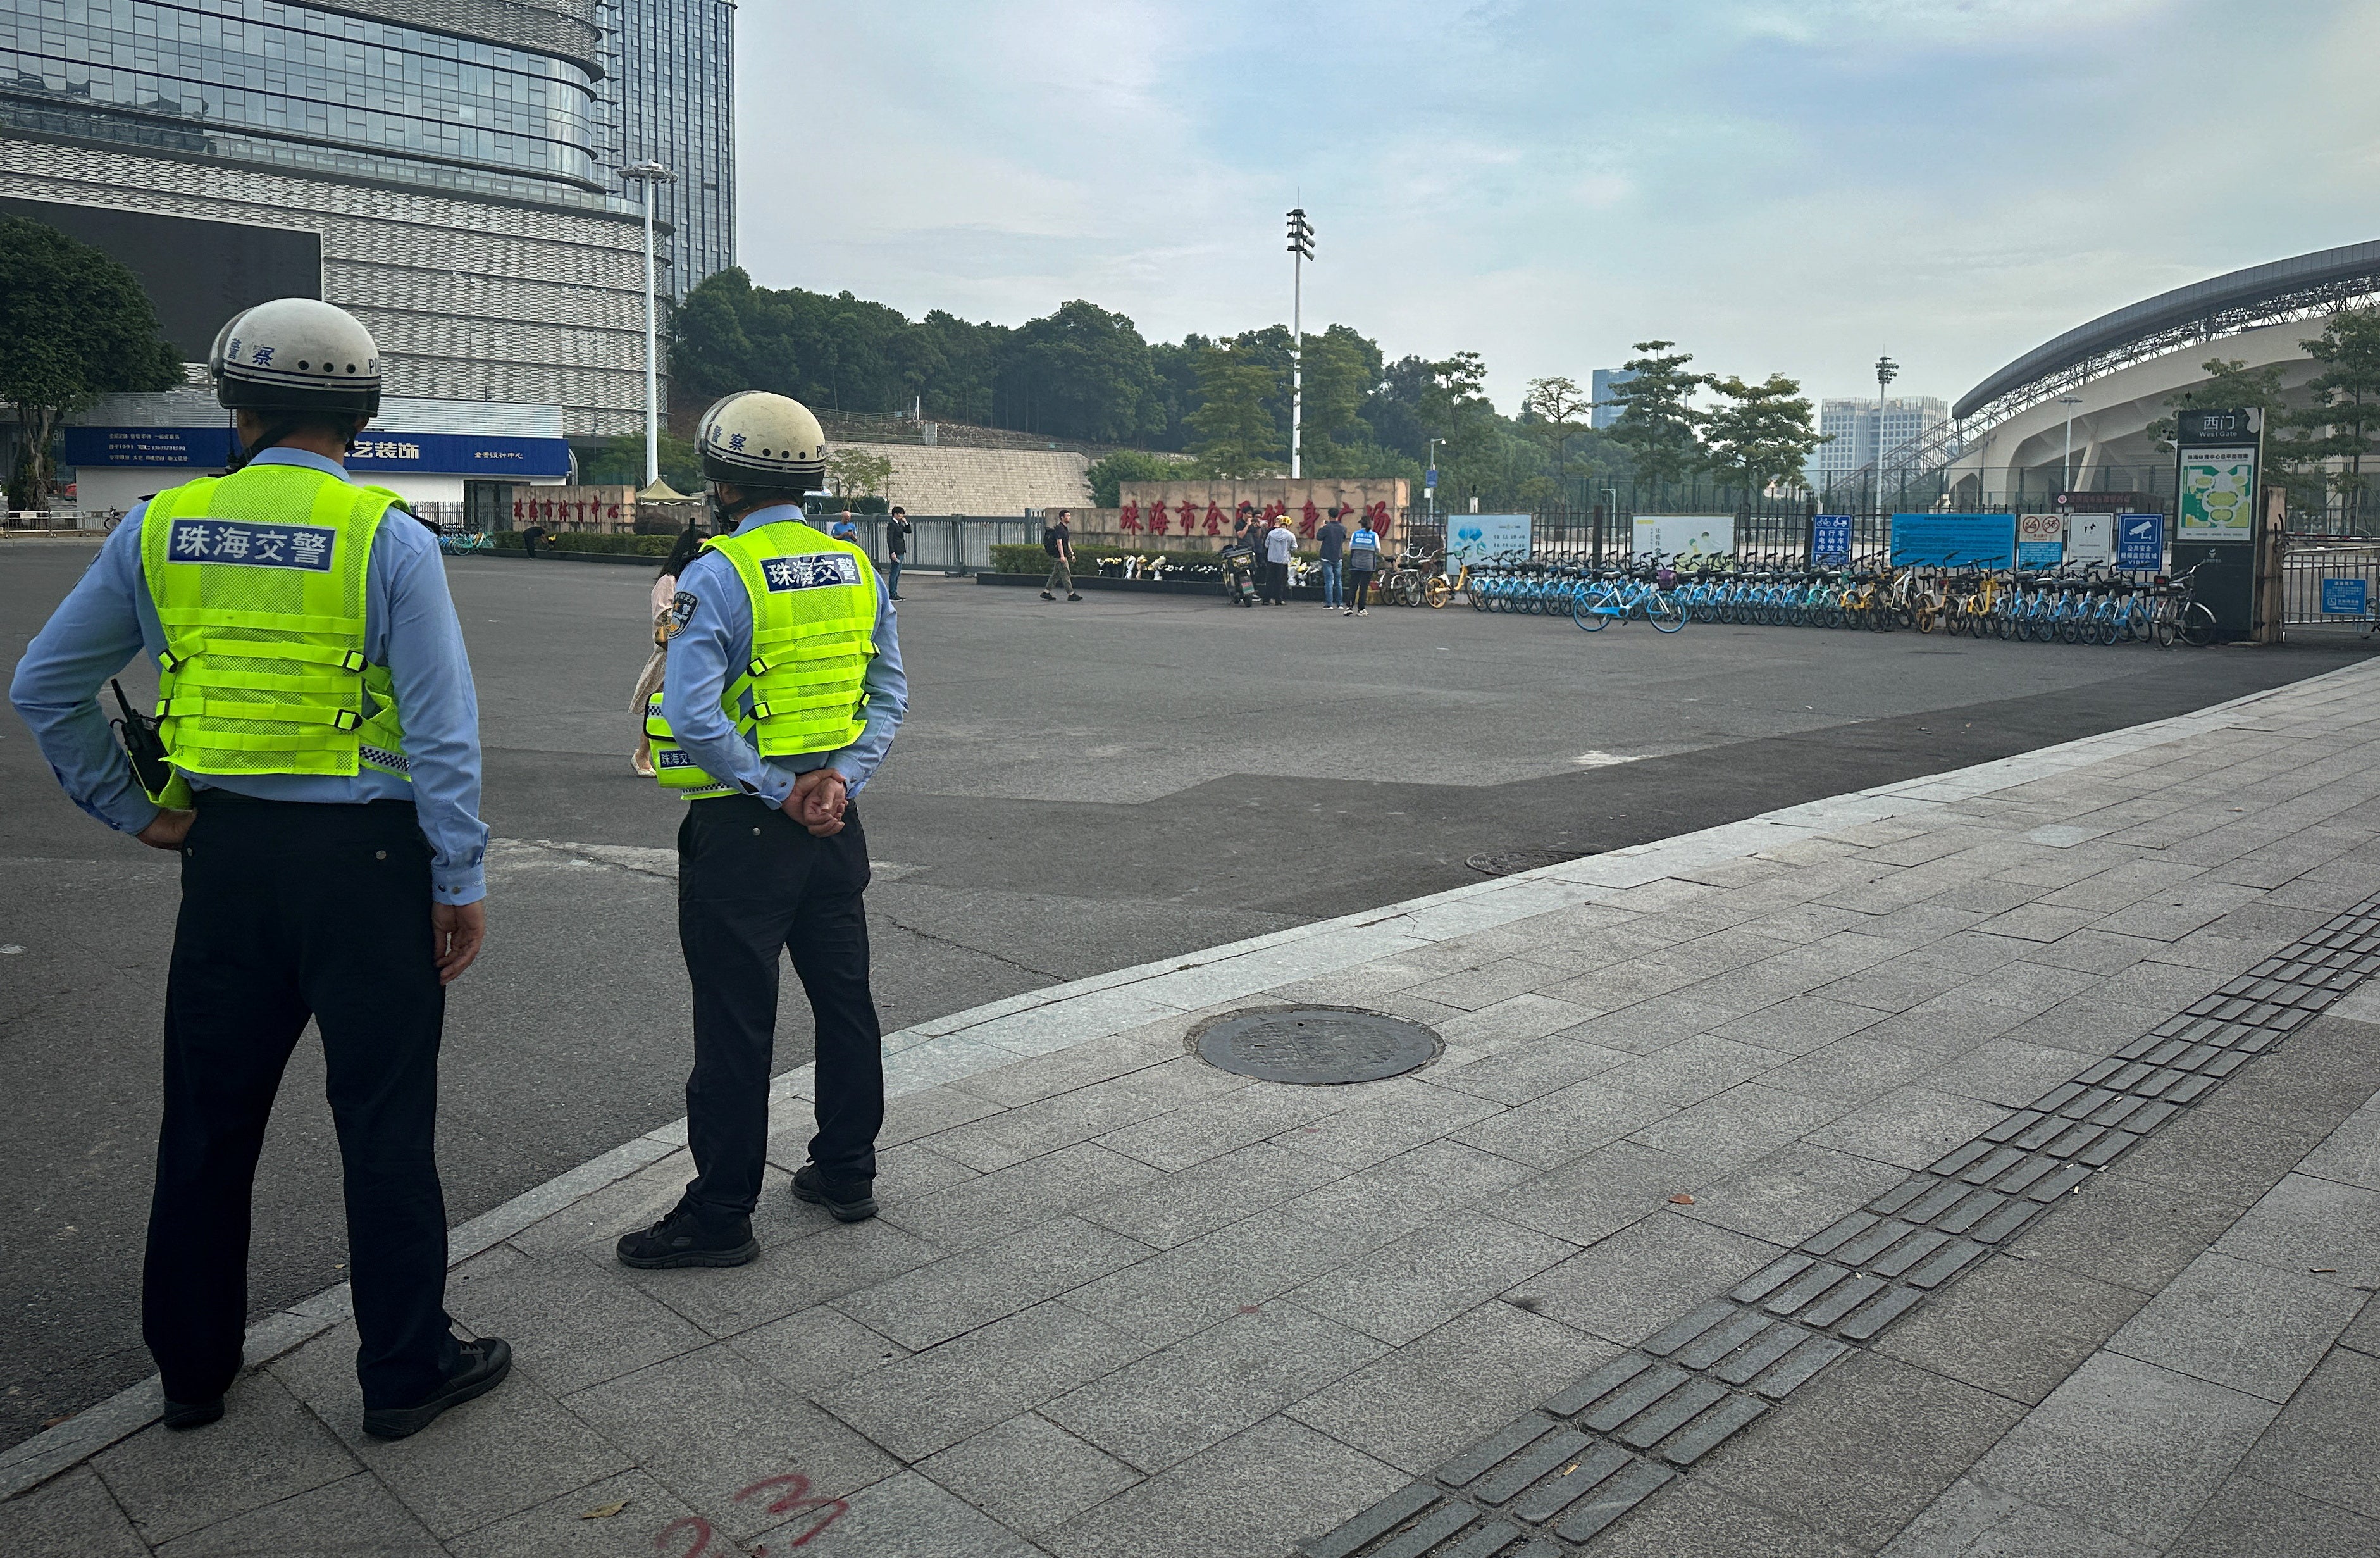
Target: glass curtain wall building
x=453, y=156
x=668, y=95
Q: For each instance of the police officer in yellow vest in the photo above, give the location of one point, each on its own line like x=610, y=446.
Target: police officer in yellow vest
x=318, y=718
x=782, y=691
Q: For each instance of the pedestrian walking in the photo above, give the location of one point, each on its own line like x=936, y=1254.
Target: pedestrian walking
x=1332, y=540
x=314, y=761
x=649, y=680
x=1058, y=541
x=782, y=691
x=896, y=546
x=1362, y=564
x=1280, y=544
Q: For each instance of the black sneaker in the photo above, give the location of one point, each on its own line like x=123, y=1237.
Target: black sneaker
x=1073, y=596
x=684, y=1238
x=184, y=1415
x=1047, y=596
x=480, y=1368
x=849, y=1199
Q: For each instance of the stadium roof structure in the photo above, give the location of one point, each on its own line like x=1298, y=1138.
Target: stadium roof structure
x=2225, y=305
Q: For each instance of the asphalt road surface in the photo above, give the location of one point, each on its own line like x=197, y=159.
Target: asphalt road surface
x=1079, y=786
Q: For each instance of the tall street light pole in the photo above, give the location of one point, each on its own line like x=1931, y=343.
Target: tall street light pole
x=1886, y=371
x=650, y=174
x=1301, y=249
x=2066, y=473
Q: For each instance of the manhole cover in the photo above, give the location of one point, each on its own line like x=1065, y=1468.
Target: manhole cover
x=1506, y=862
x=1317, y=1046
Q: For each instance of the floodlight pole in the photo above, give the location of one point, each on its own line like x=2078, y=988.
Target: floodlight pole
x=1301, y=249
x=650, y=174
x=2066, y=473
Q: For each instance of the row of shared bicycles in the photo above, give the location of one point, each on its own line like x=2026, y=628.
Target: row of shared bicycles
x=2076, y=603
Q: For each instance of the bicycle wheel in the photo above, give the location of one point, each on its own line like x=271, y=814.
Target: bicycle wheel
x=1438, y=591
x=2197, y=627
x=1588, y=609
x=1663, y=613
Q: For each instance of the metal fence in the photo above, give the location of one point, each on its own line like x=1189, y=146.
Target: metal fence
x=2310, y=564
x=955, y=543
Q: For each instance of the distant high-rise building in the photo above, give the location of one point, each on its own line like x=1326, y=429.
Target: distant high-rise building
x=1860, y=430
x=1605, y=414
x=668, y=96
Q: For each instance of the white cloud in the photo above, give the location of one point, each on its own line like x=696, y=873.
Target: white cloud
x=1794, y=186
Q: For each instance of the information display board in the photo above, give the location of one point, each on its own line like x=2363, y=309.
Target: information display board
x=2218, y=495
x=1954, y=540
x=2346, y=597
x=2140, y=542
x=1476, y=538
x=1684, y=537
x=1830, y=539
x=2090, y=538
x=2040, y=541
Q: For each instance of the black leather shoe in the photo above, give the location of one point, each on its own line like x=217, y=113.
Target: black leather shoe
x=183, y=1414
x=480, y=1368
x=686, y=1238
x=849, y=1199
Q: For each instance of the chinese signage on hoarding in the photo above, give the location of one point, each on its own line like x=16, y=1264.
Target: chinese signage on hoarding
x=1830, y=539
x=577, y=508
x=456, y=454
x=1683, y=537
x=2040, y=541
x=1954, y=540
x=2140, y=542
x=2219, y=494
x=2346, y=597
x=1474, y=539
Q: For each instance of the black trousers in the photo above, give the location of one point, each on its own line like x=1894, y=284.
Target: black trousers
x=291, y=911
x=1276, y=582
x=752, y=884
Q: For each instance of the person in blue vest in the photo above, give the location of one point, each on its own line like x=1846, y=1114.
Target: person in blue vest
x=782, y=690
x=321, y=783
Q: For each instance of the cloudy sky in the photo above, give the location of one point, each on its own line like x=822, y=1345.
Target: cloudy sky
x=1787, y=185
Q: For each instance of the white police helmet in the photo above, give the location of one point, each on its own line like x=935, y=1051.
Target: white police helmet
x=755, y=439
x=295, y=354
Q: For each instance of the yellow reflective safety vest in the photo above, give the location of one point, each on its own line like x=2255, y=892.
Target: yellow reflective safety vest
x=258, y=578
x=813, y=634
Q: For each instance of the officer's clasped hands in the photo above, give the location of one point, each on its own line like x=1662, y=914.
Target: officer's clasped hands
x=816, y=801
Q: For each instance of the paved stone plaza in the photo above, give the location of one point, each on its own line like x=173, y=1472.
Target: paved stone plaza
x=1981, y=1164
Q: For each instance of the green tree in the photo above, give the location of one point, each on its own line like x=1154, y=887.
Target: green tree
x=1555, y=412
x=74, y=325
x=2335, y=431
x=1108, y=475
x=2230, y=385
x=1658, y=422
x=854, y=473
x=1233, y=429
x=1083, y=372
x=1760, y=433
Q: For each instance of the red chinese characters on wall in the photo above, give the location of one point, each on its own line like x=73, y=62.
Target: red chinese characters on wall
x=1129, y=518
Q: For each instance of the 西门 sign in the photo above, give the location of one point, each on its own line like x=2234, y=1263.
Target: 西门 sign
x=1954, y=540
x=1684, y=538
x=2040, y=541
x=1474, y=538
x=2346, y=597
x=2219, y=492
x=2140, y=542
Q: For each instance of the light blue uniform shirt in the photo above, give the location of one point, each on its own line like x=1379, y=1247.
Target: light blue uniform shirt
x=410, y=626
x=717, y=636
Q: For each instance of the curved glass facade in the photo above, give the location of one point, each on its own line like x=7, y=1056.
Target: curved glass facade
x=265, y=81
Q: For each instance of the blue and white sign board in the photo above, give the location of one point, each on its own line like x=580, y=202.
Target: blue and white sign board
x=1479, y=538
x=2140, y=542
x=2090, y=538
x=1683, y=538
x=1429, y=476
x=1954, y=540
x=2040, y=541
x=2346, y=597
x=1830, y=539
